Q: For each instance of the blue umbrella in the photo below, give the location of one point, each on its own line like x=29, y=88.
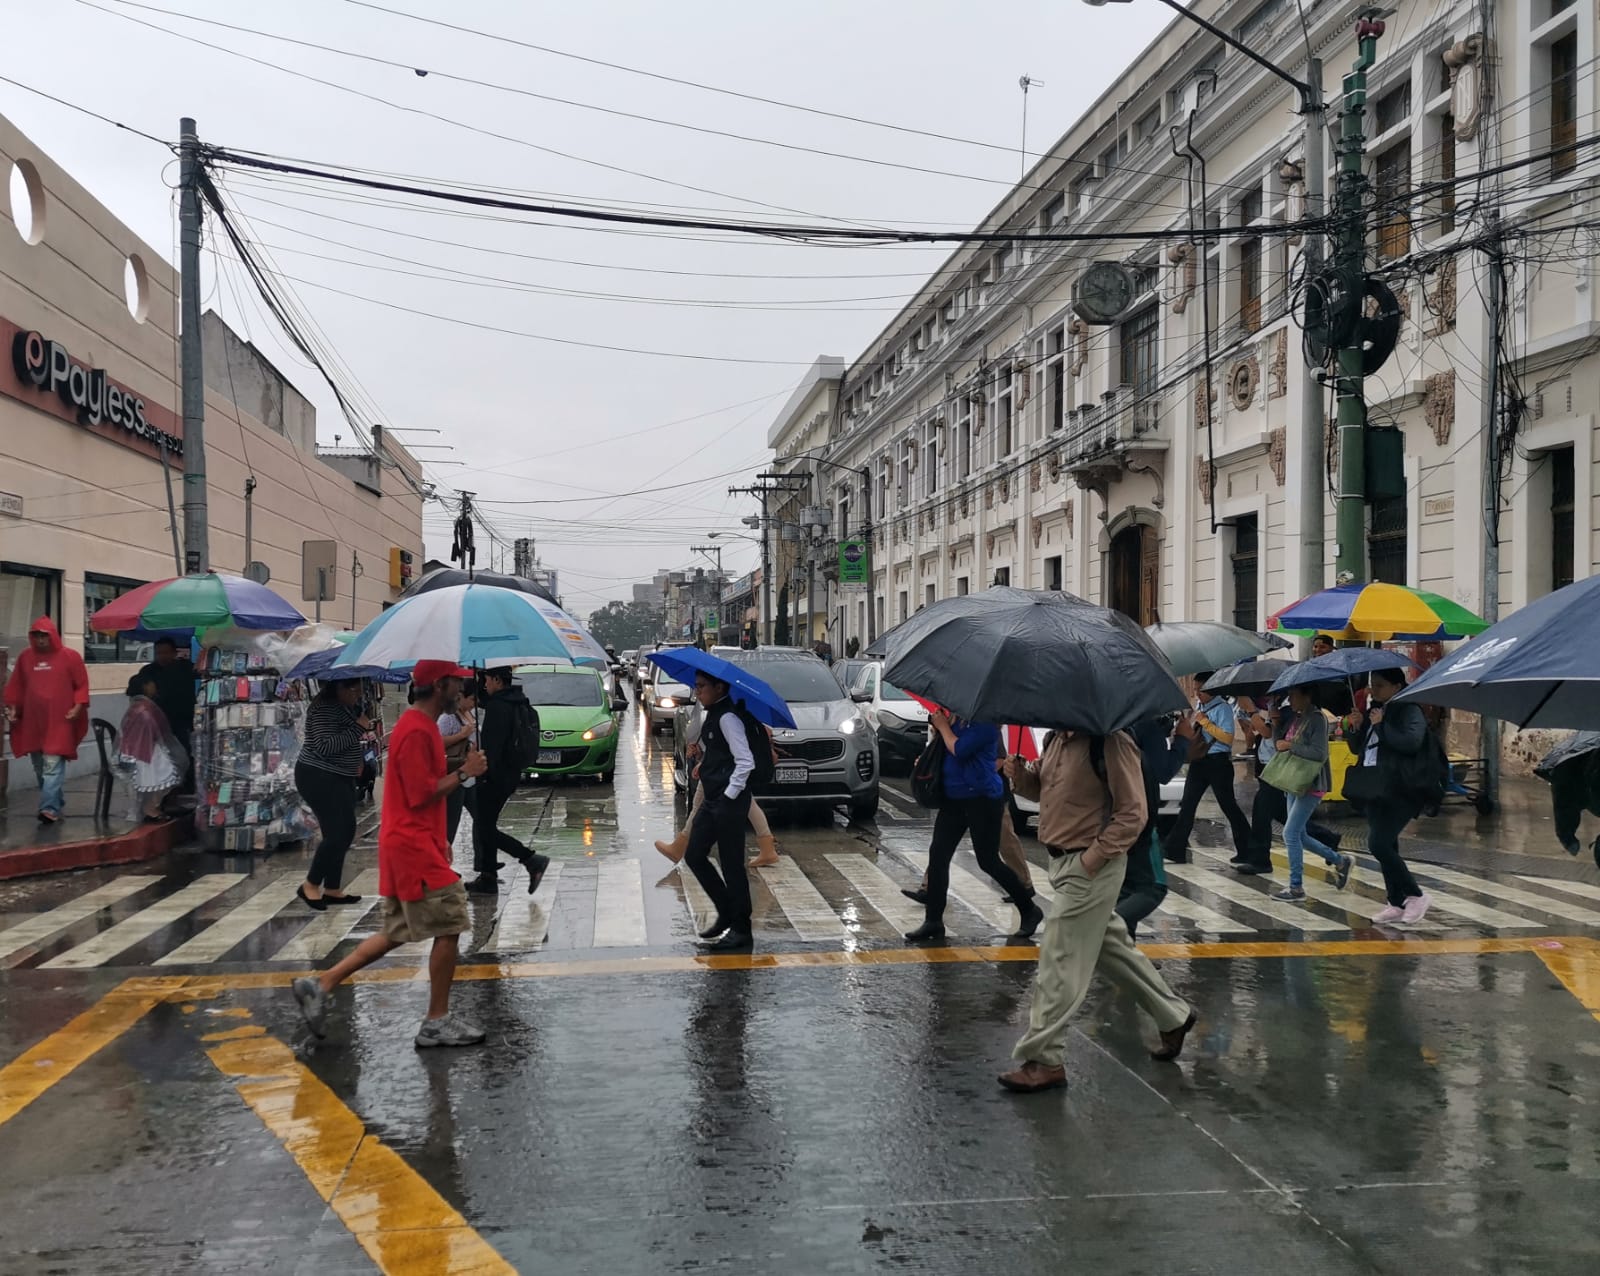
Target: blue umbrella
x=1343, y=663
x=765, y=704
x=319, y=665
x=1539, y=667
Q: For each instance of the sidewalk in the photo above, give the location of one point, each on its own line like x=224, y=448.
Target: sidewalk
x=78, y=840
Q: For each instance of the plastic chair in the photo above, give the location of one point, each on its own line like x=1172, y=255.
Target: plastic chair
x=104, y=733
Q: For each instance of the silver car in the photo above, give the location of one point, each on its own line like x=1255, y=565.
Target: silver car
x=663, y=698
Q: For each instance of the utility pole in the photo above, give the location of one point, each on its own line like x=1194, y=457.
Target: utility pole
x=196, y=532
x=1489, y=728
x=767, y=484
x=872, y=567
x=1349, y=274
x=1313, y=427
x=464, y=548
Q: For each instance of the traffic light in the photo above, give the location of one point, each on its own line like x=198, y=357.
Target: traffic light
x=399, y=567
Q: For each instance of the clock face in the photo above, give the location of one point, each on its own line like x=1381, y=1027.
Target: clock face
x=1104, y=292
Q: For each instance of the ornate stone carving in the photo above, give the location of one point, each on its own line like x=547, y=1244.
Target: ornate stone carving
x=1441, y=299
x=1038, y=531
x=1035, y=477
x=1067, y=507
x=1080, y=344
x=1052, y=466
x=988, y=545
x=966, y=502
x=988, y=496
x=1292, y=173
x=933, y=518
x=1202, y=403
x=1278, y=366
x=1278, y=454
x=1205, y=477
x=1467, y=65
x=1439, y=404
x=1005, y=488
x=952, y=558
x=1181, y=277
x=1021, y=382
x=1244, y=375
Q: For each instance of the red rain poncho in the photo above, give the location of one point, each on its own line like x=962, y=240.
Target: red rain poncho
x=41, y=692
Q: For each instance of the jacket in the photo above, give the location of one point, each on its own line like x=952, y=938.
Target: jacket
x=970, y=771
x=1401, y=737
x=727, y=761
x=1311, y=742
x=499, y=721
x=41, y=691
x=1079, y=810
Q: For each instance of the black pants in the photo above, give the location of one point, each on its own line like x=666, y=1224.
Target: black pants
x=332, y=799
x=1141, y=894
x=1214, y=771
x=980, y=817
x=720, y=822
x=487, y=839
x=458, y=800
x=1272, y=805
x=1385, y=819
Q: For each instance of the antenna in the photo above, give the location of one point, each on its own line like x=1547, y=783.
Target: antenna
x=1025, y=82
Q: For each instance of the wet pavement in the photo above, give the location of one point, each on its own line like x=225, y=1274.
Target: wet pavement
x=1354, y=1100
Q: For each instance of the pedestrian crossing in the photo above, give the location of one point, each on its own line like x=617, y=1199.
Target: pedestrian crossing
x=623, y=903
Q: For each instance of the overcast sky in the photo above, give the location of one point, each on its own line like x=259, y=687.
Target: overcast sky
x=547, y=434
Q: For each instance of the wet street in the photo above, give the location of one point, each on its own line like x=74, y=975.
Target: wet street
x=1354, y=1100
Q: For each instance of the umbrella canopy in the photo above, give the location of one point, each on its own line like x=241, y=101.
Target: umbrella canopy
x=1199, y=646
x=1248, y=677
x=472, y=625
x=1378, y=612
x=1344, y=663
x=682, y=663
x=187, y=603
x=1584, y=742
x=1539, y=667
x=319, y=665
x=922, y=619
x=444, y=577
x=1035, y=658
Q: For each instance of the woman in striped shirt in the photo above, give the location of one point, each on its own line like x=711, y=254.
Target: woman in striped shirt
x=326, y=773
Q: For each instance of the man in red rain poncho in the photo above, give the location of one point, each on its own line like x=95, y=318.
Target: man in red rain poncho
x=47, y=704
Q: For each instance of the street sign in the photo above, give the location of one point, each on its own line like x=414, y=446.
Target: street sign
x=710, y=621
x=853, y=562
x=258, y=572
x=318, y=571
x=10, y=504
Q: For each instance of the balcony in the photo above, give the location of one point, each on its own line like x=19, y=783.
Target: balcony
x=1123, y=420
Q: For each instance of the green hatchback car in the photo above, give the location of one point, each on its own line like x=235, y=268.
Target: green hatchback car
x=578, y=726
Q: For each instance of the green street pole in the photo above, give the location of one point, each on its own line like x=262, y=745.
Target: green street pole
x=1350, y=525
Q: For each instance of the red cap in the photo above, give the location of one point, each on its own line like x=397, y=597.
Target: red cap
x=429, y=672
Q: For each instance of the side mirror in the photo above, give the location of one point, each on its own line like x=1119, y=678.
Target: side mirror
x=620, y=704
x=861, y=697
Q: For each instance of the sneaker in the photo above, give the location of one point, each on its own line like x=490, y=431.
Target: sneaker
x=448, y=1031
x=313, y=1002
x=1388, y=913
x=1290, y=894
x=1341, y=874
x=1416, y=908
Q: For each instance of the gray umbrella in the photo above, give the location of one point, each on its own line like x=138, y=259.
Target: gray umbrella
x=1248, y=678
x=1200, y=646
x=1037, y=658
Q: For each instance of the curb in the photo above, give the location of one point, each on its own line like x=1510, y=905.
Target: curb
x=135, y=846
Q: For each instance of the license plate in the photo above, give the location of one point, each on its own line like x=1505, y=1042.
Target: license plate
x=548, y=757
x=791, y=775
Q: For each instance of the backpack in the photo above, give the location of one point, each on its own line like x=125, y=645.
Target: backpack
x=927, y=776
x=762, y=748
x=522, y=744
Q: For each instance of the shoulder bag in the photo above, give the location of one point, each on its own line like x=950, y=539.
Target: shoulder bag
x=1290, y=774
x=927, y=776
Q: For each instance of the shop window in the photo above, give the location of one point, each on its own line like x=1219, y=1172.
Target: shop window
x=1562, y=503
x=108, y=649
x=1387, y=540
x=26, y=593
x=1140, y=356
x=1563, y=55
x=1246, y=558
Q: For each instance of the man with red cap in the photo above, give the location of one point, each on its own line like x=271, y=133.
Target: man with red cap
x=47, y=705
x=423, y=897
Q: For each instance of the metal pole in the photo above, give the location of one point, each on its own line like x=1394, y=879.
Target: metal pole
x=322, y=589
x=1312, y=499
x=196, y=533
x=249, y=521
x=1489, y=730
x=866, y=535
x=356, y=573
x=172, y=513
x=1349, y=258
x=766, y=574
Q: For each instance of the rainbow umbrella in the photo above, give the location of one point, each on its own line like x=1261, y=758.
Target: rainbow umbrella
x=1378, y=612
x=186, y=604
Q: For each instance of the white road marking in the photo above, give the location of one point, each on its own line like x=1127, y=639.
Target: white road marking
x=39, y=927
x=1200, y=916
x=808, y=912
x=978, y=895
x=1510, y=894
x=1561, y=884
x=125, y=934
x=234, y=927
x=880, y=890
x=619, y=920
x=1294, y=916
x=326, y=930
x=524, y=923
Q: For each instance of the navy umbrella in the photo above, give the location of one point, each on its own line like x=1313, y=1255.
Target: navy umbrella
x=765, y=704
x=444, y=577
x=1248, y=677
x=1539, y=667
x=1346, y=662
x=1037, y=658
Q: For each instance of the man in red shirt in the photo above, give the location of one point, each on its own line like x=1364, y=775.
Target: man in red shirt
x=423, y=897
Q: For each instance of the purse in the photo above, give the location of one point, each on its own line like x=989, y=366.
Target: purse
x=1290, y=774
x=1365, y=784
x=927, y=776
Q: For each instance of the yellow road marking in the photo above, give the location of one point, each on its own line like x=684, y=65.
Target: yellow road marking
x=38, y=1068
x=405, y=1226
x=1579, y=971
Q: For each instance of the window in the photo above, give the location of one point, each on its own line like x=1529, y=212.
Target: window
x=905, y=606
x=928, y=596
x=1002, y=261
x=1004, y=442
x=903, y=485
x=26, y=593
x=1563, y=54
x=1250, y=208
x=1447, y=173
x=1052, y=573
x=1246, y=558
x=1392, y=109
x=1253, y=28
x=961, y=587
x=1250, y=285
x=1002, y=575
x=930, y=459
x=1050, y=215
x=1562, y=489
x=964, y=437
x=1140, y=350
x=1392, y=189
x=1148, y=124
x=98, y=591
x=883, y=486
x=1386, y=541
x=1056, y=391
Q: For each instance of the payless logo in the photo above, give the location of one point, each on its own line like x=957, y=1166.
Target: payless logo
x=95, y=398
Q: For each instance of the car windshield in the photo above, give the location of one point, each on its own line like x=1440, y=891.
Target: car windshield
x=797, y=681
x=892, y=692
x=574, y=690
x=672, y=690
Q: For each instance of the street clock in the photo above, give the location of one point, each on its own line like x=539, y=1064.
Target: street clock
x=1105, y=291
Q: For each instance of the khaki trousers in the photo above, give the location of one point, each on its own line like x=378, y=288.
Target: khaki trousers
x=1011, y=849
x=1082, y=934
x=758, y=817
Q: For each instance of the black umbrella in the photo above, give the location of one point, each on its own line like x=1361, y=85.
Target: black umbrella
x=1037, y=658
x=441, y=577
x=920, y=621
x=1248, y=678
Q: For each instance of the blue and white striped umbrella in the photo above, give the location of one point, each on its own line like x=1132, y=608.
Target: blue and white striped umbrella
x=473, y=625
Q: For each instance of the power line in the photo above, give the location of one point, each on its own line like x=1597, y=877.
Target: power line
x=84, y=110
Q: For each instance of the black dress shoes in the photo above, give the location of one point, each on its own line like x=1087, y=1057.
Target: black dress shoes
x=926, y=932
x=731, y=941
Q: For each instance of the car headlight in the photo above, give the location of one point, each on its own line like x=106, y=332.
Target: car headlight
x=600, y=730
x=851, y=725
x=666, y=702
x=891, y=719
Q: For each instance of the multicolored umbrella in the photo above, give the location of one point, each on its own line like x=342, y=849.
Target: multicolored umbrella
x=1378, y=612
x=185, y=604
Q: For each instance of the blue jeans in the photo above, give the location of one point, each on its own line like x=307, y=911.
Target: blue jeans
x=1295, y=837
x=51, y=772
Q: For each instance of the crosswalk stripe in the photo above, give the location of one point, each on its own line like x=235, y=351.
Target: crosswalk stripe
x=892, y=811
x=325, y=931
x=41, y=926
x=1360, y=898
x=1295, y=916
x=234, y=927
x=1562, y=884
x=125, y=934
x=977, y=895
x=701, y=910
x=880, y=890
x=811, y=916
x=619, y=920
x=524, y=923
x=1204, y=919
x=1511, y=894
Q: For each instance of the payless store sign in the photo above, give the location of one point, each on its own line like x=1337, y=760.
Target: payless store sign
x=44, y=374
